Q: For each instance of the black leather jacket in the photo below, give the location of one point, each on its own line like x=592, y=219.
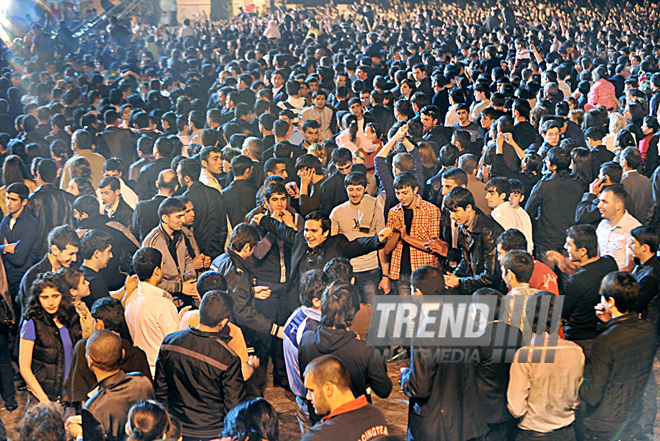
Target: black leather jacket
x=210, y=225
x=51, y=207
x=479, y=267
x=199, y=377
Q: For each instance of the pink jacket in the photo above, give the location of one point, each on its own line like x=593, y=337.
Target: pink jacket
x=602, y=92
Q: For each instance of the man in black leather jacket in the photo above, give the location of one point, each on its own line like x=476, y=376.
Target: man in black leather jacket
x=478, y=235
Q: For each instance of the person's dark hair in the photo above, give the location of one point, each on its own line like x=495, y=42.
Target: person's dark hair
x=560, y=158
x=87, y=204
x=83, y=139
x=211, y=281
x=403, y=162
x=47, y=169
x=511, y=240
x=520, y=263
x=170, y=206
x=111, y=312
x=43, y=422
x=322, y=217
x=242, y=235
x=500, y=185
x=240, y=164
x=252, y=420
x=355, y=178
x=339, y=269
x=309, y=161
x=111, y=181
x=145, y=261
x=595, y=134
x=456, y=174
x=92, y=241
x=468, y=163
x=622, y=287
x=62, y=236
x=190, y=168
x=312, y=285
x=429, y=280
x=214, y=308
x=341, y=156
x=340, y=302
x=103, y=347
x=646, y=235
x=585, y=237
x=19, y=189
x=448, y=155
x=633, y=157
x=13, y=170
x=147, y=421
x=458, y=197
x=612, y=170
x=44, y=281
x=618, y=191
x=405, y=180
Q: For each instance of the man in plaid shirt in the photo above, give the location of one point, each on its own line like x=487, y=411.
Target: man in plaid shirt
x=416, y=222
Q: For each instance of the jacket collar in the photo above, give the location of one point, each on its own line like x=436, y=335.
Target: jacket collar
x=622, y=319
x=108, y=383
x=223, y=334
x=356, y=404
x=238, y=260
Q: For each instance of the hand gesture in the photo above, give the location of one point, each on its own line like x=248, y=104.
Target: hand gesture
x=198, y=262
x=10, y=248
x=131, y=284
x=384, y=234
x=73, y=426
x=261, y=292
x=385, y=285
x=597, y=186
x=438, y=246
x=602, y=313
x=190, y=288
x=306, y=176
x=451, y=280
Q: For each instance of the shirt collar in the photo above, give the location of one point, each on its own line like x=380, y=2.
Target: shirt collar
x=623, y=219
x=113, y=208
x=148, y=289
x=356, y=404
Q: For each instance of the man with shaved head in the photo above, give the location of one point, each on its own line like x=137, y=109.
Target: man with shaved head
x=104, y=415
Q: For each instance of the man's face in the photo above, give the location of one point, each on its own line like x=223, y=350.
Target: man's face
x=419, y=74
x=316, y=396
x=463, y=116
x=516, y=198
x=320, y=101
x=314, y=234
x=277, y=202
x=214, y=163
x=428, y=122
x=66, y=256
x=486, y=122
x=447, y=185
x=277, y=80
x=362, y=75
x=345, y=169
x=636, y=248
x=14, y=203
x=356, y=109
x=575, y=254
x=552, y=136
x=461, y=215
x=609, y=205
x=493, y=199
x=113, y=173
x=365, y=98
x=109, y=197
x=406, y=195
x=355, y=193
x=189, y=217
x=174, y=221
x=280, y=170
x=500, y=252
x=105, y=257
x=340, y=80
x=311, y=135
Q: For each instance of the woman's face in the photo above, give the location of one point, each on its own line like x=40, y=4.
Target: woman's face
x=371, y=134
x=82, y=290
x=405, y=89
x=73, y=188
x=50, y=300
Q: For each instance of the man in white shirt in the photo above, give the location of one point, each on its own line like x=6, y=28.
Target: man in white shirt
x=360, y=216
x=211, y=158
x=516, y=198
x=320, y=113
x=114, y=167
x=543, y=393
x=614, y=230
x=497, y=196
x=150, y=313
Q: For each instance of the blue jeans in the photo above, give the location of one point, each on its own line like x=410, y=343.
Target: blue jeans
x=403, y=285
x=367, y=282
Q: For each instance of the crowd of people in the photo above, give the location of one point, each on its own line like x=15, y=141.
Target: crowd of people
x=185, y=206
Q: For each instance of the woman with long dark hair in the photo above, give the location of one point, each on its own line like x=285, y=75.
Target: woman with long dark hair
x=252, y=420
x=147, y=421
x=50, y=329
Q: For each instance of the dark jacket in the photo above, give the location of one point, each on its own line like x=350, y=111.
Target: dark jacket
x=145, y=216
x=81, y=379
x=581, y=295
x=615, y=377
x=587, y=211
x=29, y=277
x=146, y=181
x=51, y=207
x=105, y=414
x=304, y=259
x=647, y=275
x=25, y=234
x=48, y=354
x=121, y=143
x=365, y=364
x=123, y=214
x=640, y=196
x=240, y=280
x=210, y=225
x=333, y=193
x=479, y=267
x=199, y=379
x=239, y=199
x=381, y=115
x=551, y=207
